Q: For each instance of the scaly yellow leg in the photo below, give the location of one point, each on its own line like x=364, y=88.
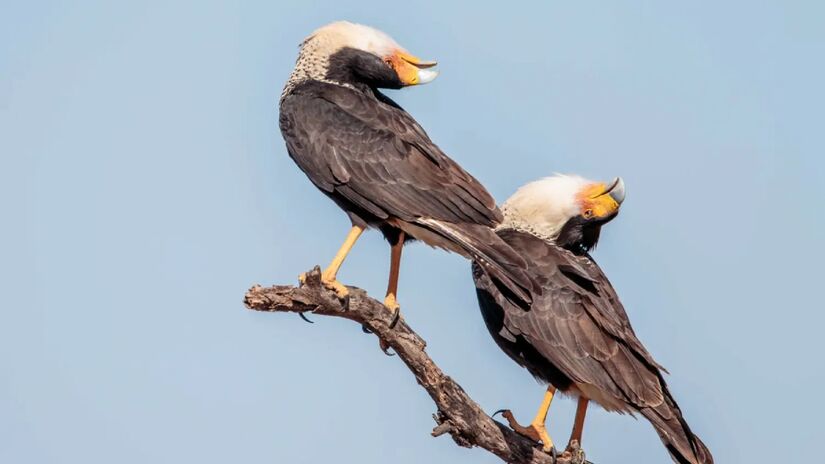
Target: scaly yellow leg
x=395, y=263
x=328, y=276
x=537, y=429
x=578, y=425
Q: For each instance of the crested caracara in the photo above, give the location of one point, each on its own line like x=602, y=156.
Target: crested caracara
x=376, y=162
x=576, y=336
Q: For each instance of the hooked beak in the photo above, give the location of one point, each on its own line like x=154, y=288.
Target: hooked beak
x=616, y=190
x=412, y=70
x=601, y=203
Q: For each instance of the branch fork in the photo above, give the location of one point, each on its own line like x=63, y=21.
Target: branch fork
x=457, y=413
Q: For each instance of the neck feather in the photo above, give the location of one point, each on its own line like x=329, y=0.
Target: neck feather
x=312, y=65
x=515, y=220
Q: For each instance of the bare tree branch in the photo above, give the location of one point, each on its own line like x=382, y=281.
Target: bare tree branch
x=457, y=414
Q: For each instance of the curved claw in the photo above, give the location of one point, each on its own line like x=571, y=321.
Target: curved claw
x=365, y=329
x=553, y=453
x=395, y=317
x=385, y=348
x=500, y=411
x=305, y=318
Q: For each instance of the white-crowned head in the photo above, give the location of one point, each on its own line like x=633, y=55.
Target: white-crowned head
x=566, y=209
x=351, y=54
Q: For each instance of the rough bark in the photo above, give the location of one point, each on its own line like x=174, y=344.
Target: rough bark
x=457, y=413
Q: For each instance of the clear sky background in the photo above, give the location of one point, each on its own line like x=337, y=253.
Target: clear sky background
x=145, y=186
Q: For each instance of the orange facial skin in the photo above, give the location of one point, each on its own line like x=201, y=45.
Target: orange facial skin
x=596, y=202
x=407, y=66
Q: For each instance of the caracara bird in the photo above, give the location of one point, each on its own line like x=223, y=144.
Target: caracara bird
x=576, y=335
x=376, y=162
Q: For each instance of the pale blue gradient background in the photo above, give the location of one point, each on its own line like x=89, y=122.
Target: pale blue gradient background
x=145, y=186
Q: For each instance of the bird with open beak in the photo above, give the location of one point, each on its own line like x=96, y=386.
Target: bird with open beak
x=576, y=336
x=376, y=162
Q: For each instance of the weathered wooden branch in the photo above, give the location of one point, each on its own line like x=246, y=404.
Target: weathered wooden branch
x=457, y=414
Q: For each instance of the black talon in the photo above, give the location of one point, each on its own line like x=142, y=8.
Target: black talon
x=365, y=329
x=554, y=453
x=500, y=411
x=385, y=347
x=305, y=318
x=395, y=318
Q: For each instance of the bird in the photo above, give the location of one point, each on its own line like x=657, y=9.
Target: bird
x=576, y=337
x=368, y=155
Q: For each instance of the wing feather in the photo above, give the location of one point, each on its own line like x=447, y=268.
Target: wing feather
x=579, y=325
x=376, y=156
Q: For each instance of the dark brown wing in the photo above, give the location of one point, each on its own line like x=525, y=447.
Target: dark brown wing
x=376, y=156
x=578, y=324
x=577, y=332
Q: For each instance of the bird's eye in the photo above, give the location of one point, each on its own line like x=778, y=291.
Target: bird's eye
x=588, y=213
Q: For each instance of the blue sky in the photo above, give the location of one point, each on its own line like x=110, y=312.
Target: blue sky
x=145, y=187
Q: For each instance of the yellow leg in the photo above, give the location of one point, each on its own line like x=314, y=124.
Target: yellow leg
x=395, y=263
x=537, y=429
x=328, y=276
x=578, y=425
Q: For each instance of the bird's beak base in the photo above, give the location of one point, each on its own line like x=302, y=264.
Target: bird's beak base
x=412, y=70
x=600, y=201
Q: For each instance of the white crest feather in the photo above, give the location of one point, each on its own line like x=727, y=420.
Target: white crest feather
x=313, y=58
x=544, y=206
x=342, y=34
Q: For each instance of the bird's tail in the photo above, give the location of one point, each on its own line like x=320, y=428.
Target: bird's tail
x=481, y=244
x=683, y=445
